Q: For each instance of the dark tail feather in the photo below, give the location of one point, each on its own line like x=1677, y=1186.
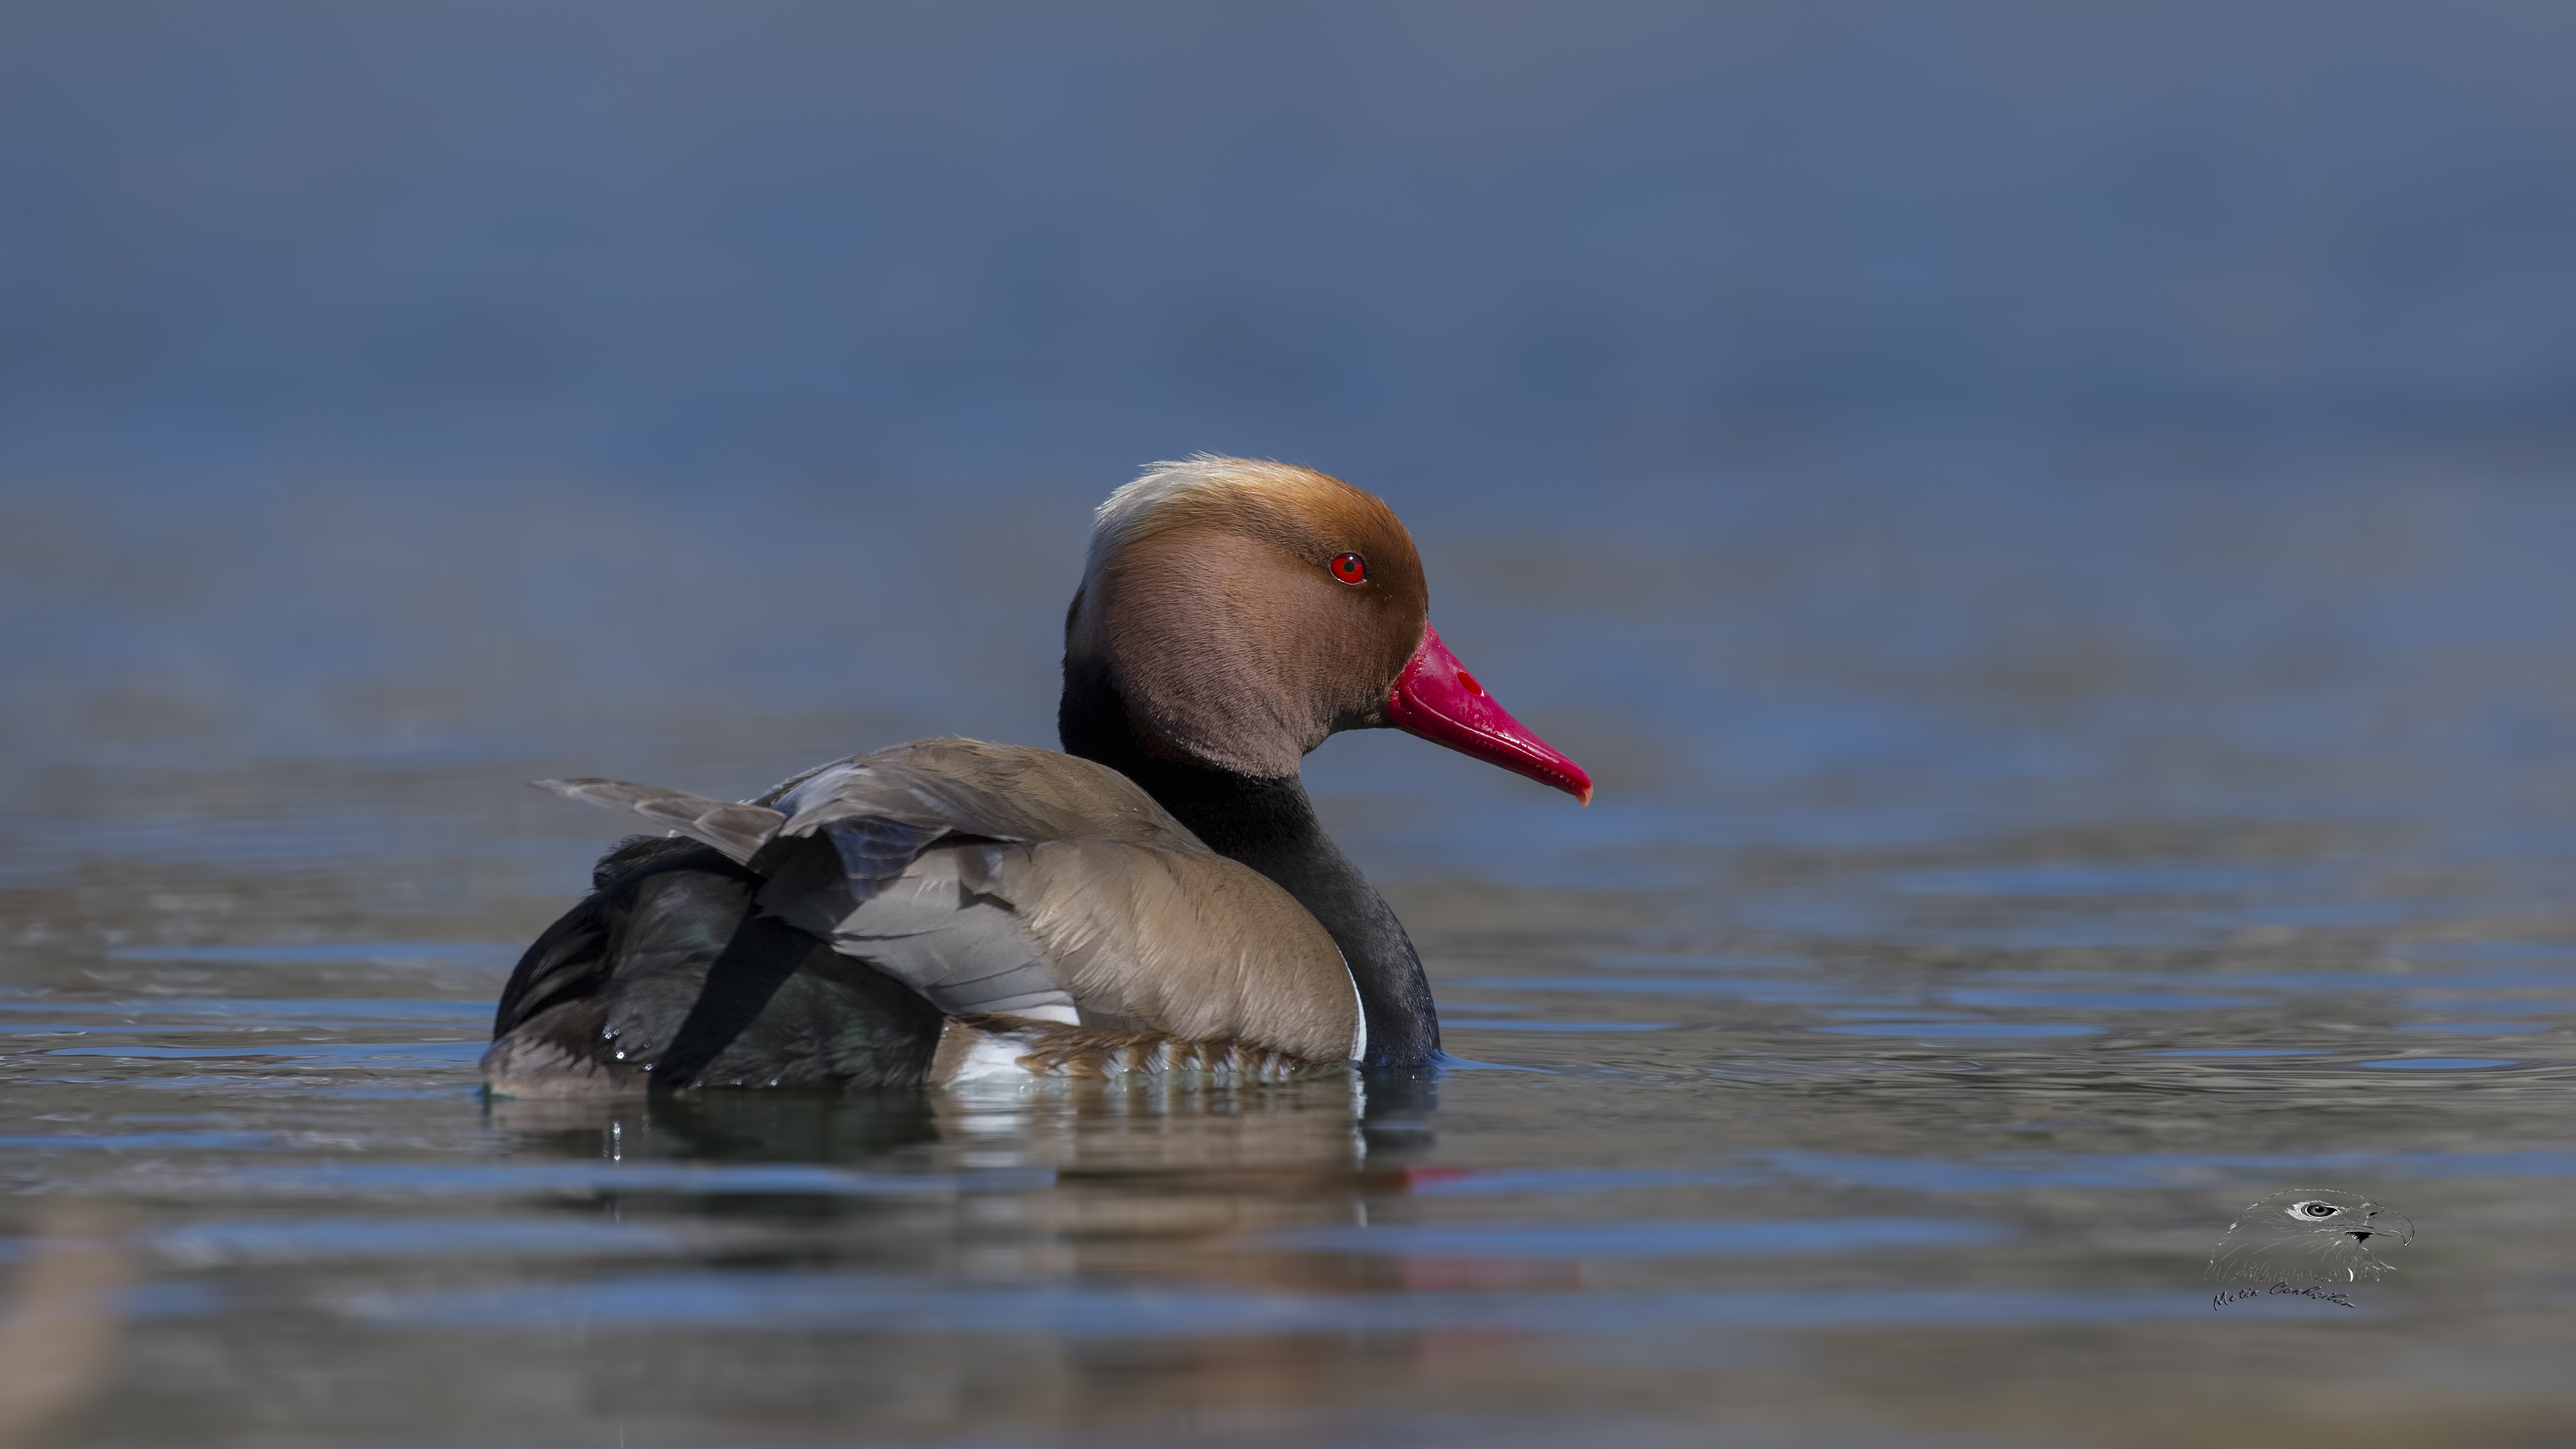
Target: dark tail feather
x=740, y=984
x=665, y=978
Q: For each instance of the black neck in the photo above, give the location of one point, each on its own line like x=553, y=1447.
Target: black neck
x=1270, y=826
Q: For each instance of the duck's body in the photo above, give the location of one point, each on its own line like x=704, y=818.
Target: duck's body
x=984, y=881
x=1159, y=898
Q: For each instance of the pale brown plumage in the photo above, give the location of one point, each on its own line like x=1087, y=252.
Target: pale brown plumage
x=1143, y=928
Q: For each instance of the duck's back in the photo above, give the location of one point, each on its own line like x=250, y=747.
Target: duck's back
x=972, y=878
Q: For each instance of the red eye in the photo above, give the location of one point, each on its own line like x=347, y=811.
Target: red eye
x=1350, y=568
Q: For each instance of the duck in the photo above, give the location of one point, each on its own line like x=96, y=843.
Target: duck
x=1157, y=896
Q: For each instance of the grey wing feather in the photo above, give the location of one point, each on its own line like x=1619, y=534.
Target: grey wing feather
x=874, y=852
x=738, y=830
x=998, y=792
x=1116, y=902
x=771, y=795
x=998, y=877
x=962, y=949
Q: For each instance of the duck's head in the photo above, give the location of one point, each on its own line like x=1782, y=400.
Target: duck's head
x=1240, y=612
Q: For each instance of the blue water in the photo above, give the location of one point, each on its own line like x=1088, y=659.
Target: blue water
x=2048, y=525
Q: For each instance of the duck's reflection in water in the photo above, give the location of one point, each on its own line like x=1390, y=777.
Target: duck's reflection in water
x=1083, y=1202
x=1154, y=1174
x=721, y=1128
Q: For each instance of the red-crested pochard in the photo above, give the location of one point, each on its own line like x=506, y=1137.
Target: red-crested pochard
x=1159, y=896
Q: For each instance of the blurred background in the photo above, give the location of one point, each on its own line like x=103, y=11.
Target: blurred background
x=2000, y=494
x=422, y=382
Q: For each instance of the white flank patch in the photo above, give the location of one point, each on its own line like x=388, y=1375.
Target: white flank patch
x=1359, y=1009
x=992, y=1059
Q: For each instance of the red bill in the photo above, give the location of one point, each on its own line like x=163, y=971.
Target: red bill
x=1435, y=697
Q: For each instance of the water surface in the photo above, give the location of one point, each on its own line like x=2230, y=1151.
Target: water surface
x=1877, y=1062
